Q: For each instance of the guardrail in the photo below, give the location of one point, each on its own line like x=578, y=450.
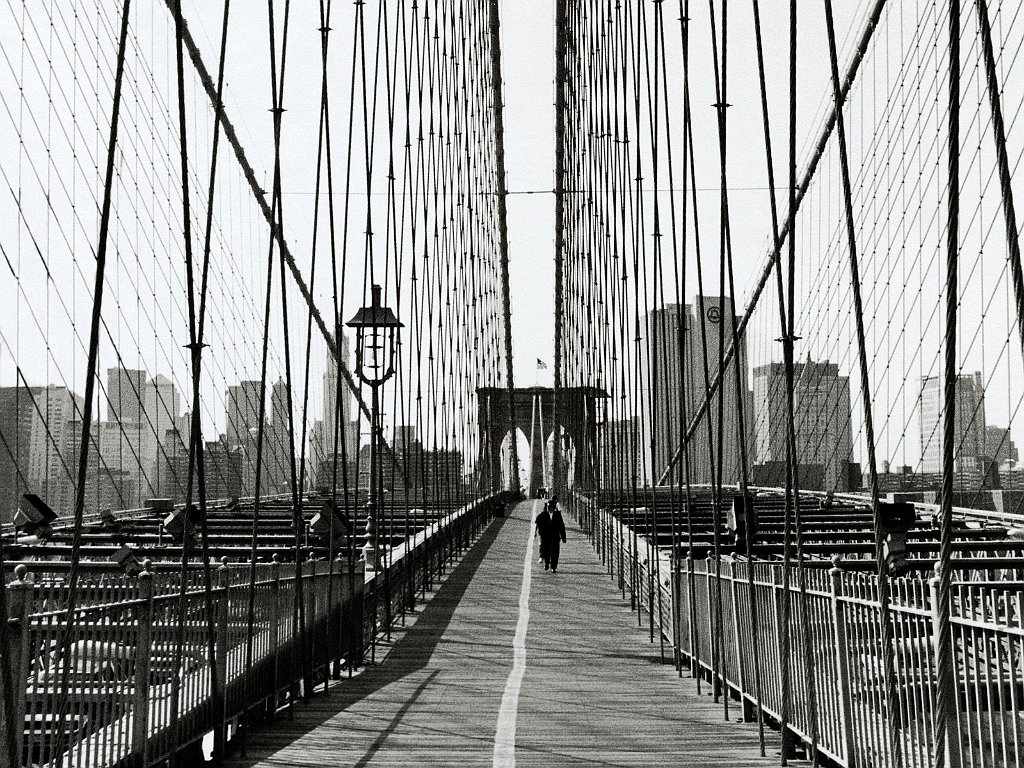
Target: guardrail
x=837, y=695
x=134, y=671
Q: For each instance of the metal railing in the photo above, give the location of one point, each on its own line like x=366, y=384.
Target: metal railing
x=702, y=608
x=133, y=671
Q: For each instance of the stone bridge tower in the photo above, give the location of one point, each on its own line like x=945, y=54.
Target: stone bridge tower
x=534, y=415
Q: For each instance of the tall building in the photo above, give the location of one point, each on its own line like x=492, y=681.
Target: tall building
x=126, y=390
x=112, y=473
x=331, y=409
x=161, y=405
x=17, y=415
x=335, y=412
x=821, y=415
x=677, y=338
x=243, y=411
x=969, y=423
x=34, y=429
x=222, y=471
x=58, y=407
x=140, y=411
x=406, y=438
x=277, y=442
x=999, y=448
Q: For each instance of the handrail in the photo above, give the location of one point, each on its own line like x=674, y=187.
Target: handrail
x=119, y=660
x=844, y=611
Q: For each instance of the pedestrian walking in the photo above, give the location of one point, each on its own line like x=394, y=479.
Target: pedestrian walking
x=541, y=527
x=552, y=535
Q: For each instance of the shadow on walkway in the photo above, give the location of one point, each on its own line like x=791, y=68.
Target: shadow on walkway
x=408, y=655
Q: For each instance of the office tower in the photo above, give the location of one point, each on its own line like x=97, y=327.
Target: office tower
x=140, y=410
x=17, y=414
x=999, y=448
x=277, y=447
x=406, y=438
x=243, y=412
x=34, y=429
x=161, y=405
x=330, y=415
x=324, y=441
x=969, y=423
x=129, y=451
x=675, y=340
x=125, y=394
x=821, y=416
x=58, y=407
x=113, y=472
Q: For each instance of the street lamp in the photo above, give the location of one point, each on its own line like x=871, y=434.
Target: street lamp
x=376, y=330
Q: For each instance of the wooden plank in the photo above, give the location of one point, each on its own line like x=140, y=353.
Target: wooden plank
x=595, y=691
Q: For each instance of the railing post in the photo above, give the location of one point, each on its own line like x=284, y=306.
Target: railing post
x=337, y=614
x=19, y=601
x=691, y=589
x=677, y=630
x=143, y=655
x=953, y=742
x=789, y=738
x=618, y=552
x=275, y=634
x=220, y=695
x=745, y=705
x=709, y=572
x=355, y=596
x=842, y=666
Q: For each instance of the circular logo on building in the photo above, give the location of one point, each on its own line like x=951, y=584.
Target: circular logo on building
x=713, y=314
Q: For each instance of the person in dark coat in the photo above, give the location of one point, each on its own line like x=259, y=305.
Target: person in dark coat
x=551, y=543
x=542, y=526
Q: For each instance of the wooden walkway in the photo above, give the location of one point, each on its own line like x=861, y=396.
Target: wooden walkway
x=586, y=687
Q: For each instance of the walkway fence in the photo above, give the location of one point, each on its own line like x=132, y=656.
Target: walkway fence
x=130, y=682
x=837, y=696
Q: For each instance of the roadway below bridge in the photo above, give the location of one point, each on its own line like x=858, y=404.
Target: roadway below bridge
x=507, y=664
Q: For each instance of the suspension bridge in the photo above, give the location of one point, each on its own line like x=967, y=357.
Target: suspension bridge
x=270, y=462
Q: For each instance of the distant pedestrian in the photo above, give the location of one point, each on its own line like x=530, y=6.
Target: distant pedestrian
x=552, y=535
x=541, y=527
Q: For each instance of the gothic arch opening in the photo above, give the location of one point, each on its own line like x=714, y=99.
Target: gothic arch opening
x=505, y=454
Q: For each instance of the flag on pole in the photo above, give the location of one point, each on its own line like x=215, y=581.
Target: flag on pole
x=541, y=365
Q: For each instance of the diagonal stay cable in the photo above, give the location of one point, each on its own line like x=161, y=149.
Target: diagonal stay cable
x=195, y=55
x=773, y=256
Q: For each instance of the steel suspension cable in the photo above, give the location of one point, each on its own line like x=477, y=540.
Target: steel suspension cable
x=888, y=652
x=947, y=742
x=774, y=254
x=90, y=381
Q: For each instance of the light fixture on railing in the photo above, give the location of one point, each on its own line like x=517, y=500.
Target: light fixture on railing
x=376, y=329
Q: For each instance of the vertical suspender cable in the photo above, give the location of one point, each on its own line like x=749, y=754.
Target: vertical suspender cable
x=195, y=346
x=776, y=250
x=1002, y=157
x=792, y=475
x=780, y=288
x=561, y=22
x=888, y=653
x=90, y=372
x=506, y=300
x=947, y=742
x=722, y=106
x=249, y=175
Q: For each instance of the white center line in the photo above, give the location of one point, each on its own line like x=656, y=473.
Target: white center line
x=505, y=733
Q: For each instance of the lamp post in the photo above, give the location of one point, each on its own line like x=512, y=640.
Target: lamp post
x=376, y=328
